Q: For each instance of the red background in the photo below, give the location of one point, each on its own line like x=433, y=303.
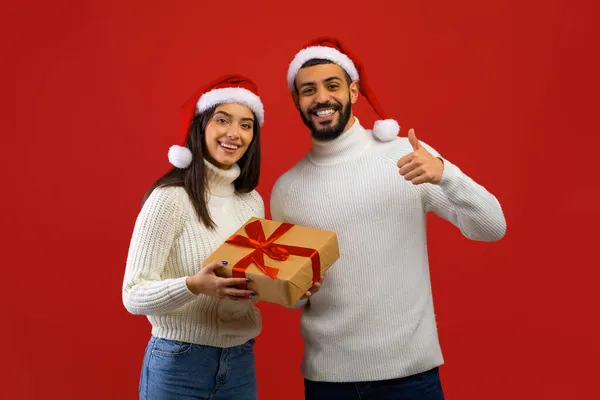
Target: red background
x=508, y=90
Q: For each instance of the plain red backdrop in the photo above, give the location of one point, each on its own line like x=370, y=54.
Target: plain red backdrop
x=508, y=90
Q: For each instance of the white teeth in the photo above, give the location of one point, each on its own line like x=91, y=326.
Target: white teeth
x=324, y=113
x=229, y=146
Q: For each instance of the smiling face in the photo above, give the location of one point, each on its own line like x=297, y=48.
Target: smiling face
x=228, y=134
x=324, y=98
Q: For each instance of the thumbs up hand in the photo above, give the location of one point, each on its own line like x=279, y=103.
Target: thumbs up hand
x=420, y=166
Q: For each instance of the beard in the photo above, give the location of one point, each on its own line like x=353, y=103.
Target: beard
x=331, y=131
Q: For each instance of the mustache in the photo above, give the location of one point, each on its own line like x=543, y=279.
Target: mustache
x=326, y=105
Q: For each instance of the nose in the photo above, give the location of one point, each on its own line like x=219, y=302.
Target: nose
x=321, y=96
x=233, y=132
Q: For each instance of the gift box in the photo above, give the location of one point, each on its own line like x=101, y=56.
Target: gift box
x=281, y=260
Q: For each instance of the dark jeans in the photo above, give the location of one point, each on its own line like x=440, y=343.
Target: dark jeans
x=423, y=386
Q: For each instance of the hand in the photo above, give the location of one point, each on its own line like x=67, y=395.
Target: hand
x=314, y=289
x=208, y=283
x=420, y=166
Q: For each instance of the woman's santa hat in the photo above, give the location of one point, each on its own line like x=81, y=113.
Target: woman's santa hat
x=331, y=49
x=226, y=89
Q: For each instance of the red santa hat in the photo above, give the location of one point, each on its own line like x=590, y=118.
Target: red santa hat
x=226, y=89
x=332, y=49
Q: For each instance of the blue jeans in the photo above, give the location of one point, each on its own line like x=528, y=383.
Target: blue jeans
x=175, y=370
x=423, y=386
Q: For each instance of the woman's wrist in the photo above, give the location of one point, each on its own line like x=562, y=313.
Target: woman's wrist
x=191, y=284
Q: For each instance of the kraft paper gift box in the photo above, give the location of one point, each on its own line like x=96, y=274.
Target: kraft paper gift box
x=282, y=260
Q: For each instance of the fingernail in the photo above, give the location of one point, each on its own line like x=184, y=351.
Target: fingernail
x=224, y=262
x=247, y=280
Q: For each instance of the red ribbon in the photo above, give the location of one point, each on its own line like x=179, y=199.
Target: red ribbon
x=256, y=239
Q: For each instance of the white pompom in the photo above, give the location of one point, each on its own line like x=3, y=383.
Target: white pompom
x=180, y=157
x=386, y=129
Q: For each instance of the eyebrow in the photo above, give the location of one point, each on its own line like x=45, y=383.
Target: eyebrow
x=231, y=116
x=326, y=80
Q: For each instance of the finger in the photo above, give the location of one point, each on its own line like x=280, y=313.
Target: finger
x=314, y=289
x=405, y=160
x=420, y=179
x=412, y=138
x=414, y=164
x=232, y=292
x=415, y=173
x=213, y=265
x=223, y=282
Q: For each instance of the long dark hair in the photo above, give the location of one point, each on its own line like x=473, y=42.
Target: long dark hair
x=193, y=178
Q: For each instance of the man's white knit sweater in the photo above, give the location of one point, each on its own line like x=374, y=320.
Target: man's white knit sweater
x=169, y=243
x=373, y=318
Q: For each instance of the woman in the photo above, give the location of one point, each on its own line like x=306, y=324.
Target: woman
x=203, y=328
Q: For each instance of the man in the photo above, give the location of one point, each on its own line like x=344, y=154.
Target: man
x=370, y=331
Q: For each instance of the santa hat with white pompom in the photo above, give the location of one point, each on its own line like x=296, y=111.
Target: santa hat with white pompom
x=331, y=49
x=226, y=89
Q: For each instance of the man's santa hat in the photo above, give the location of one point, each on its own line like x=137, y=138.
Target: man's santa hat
x=226, y=89
x=331, y=49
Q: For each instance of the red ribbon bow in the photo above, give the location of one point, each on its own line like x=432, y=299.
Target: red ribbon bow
x=256, y=239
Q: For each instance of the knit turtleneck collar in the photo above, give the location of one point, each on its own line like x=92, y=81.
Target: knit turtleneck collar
x=348, y=145
x=220, y=181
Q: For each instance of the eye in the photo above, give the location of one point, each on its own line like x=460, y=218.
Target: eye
x=308, y=91
x=221, y=121
x=247, y=126
x=333, y=86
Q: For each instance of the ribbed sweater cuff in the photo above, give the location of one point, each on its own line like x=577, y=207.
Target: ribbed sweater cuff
x=450, y=177
x=179, y=292
x=299, y=304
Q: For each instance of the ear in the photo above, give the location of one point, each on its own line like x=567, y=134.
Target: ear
x=354, y=90
x=295, y=98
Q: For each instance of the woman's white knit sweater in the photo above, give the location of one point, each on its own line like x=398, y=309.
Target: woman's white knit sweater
x=169, y=244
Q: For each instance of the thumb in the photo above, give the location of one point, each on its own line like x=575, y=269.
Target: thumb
x=208, y=268
x=412, y=138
